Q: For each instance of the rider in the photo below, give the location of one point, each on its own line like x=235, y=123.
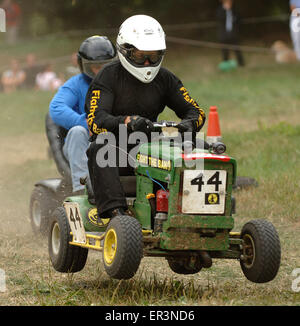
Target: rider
x=67, y=106
x=133, y=91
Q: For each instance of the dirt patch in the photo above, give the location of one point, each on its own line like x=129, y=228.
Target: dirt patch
x=16, y=181
x=19, y=149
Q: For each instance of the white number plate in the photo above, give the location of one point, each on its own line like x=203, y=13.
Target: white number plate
x=204, y=191
x=75, y=221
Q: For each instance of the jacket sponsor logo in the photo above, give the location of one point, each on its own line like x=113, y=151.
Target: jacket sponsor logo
x=91, y=116
x=187, y=97
x=93, y=106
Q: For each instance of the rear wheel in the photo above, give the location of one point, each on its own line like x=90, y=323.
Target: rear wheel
x=42, y=204
x=261, y=254
x=65, y=258
x=123, y=247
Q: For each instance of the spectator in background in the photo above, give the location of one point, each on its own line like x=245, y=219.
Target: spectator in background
x=47, y=80
x=228, y=29
x=73, y=68
x=295, y=25
x=13, y=20
x=31, y=71
x=12, y=78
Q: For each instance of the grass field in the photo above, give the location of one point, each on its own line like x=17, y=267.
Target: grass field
x=259, y=109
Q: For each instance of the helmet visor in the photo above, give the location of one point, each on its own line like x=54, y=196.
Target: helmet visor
x=91, y=68
x=140, y=57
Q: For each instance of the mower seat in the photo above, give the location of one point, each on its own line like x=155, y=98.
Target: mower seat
x=56, y=136
x=128, y=184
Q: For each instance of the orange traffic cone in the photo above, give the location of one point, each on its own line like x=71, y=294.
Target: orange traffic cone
x=213, y=134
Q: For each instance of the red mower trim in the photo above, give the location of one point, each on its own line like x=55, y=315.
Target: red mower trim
x=205, y=156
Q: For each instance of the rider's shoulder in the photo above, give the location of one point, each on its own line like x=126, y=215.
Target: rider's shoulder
x=110, y=67
x=166, y=77
x=165, y=73
x=164, y=70
x=77, y=80
x=108, y=70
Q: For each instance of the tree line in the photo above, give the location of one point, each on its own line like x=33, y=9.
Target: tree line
x=50, y=16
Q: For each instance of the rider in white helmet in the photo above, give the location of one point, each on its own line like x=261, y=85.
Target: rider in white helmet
x=133, y=91
x=141, y=37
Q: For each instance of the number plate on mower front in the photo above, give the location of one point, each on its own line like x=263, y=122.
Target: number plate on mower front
x=204, y=191
x=75, y=222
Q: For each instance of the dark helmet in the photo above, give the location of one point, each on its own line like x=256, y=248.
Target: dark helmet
x=95, y=50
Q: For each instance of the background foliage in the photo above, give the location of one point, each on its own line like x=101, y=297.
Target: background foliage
x=41, y=17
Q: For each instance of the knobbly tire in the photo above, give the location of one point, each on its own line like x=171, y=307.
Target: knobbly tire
x=261, y=255
x=65, y=258
x=123, y=247
x=42, y=204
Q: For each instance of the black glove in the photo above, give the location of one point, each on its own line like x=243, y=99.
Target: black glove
x=138, y=123
x=186, y=126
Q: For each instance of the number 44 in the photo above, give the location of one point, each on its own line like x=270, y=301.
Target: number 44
x=214, y=180
x=74, y=216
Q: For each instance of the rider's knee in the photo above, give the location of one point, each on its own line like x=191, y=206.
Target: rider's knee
x=78, y=131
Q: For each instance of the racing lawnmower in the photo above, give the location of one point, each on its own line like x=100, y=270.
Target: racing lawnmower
x=180, y=208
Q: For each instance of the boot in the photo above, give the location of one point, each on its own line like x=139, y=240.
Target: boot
x=119, y=211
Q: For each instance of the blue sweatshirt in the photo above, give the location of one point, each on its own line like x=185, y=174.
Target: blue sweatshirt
x=67, y=106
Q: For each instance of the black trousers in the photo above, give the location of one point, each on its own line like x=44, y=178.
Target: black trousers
x=231, y=40
x=108, y=190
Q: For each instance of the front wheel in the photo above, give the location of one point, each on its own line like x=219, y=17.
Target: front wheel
x=261, y=251
x=65, y=258
x=123, y=247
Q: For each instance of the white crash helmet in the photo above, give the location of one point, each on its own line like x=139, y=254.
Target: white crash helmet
x=143, y=33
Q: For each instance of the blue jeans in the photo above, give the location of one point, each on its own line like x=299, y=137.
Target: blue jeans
x=75, y=147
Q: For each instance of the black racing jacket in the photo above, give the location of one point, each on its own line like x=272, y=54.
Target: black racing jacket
x=115, y=94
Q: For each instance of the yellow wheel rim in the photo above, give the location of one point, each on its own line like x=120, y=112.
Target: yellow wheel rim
x=110, y=246
x=248, y=251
